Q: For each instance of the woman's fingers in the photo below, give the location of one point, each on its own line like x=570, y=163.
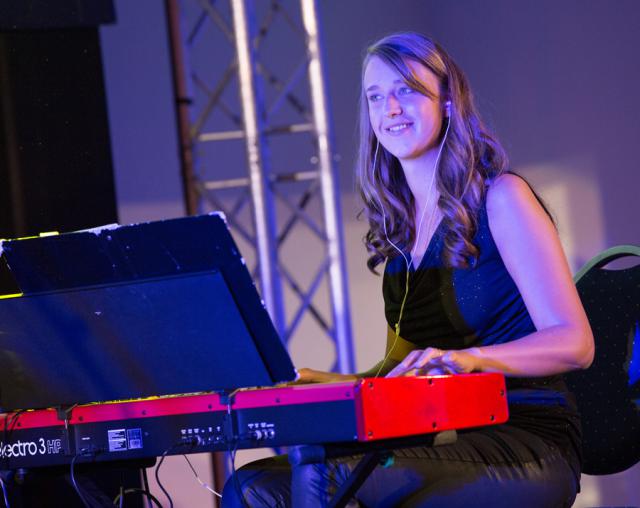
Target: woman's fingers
x=429, y=355
x=449, y=360
x=461, y=362
x=405, y=365
x=415, y=361
x=408, y=361
x=433, y=361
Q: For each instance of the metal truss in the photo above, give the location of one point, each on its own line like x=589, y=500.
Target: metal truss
x=277, y=189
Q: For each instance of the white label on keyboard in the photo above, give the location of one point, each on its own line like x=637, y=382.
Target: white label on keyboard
x=117, y=440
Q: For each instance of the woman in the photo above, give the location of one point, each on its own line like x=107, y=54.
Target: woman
x=475, y=281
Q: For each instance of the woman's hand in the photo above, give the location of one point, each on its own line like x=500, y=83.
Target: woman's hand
x=432, y=361
x=306, y=376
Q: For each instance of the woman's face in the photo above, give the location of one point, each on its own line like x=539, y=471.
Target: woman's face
x=406, y=122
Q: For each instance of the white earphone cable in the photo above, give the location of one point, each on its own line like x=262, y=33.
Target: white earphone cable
x=407, y=260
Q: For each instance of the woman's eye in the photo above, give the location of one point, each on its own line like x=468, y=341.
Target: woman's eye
x=374, y=97
x=405, y=90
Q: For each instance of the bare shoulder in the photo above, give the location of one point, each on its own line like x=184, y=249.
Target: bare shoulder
x=530, y=248
x=509, y=192
x=514, y=212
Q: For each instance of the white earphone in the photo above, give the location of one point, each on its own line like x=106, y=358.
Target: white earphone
x=384, y=225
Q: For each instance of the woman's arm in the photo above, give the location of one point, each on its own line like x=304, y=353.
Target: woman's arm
x=308, y=376
x=531, y=251
x=396, y=349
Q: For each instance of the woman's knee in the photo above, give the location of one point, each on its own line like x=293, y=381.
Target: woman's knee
x=230, y=495
x=260, y=484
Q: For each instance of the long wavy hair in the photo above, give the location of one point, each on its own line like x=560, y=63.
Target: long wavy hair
x=470, y=157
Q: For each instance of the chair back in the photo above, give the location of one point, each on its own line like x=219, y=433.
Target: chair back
x=607, y=393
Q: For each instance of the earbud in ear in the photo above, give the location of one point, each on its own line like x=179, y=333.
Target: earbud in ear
x=447, y=109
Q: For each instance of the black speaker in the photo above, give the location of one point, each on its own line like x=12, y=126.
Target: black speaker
x=55, y=153
x=38, y=14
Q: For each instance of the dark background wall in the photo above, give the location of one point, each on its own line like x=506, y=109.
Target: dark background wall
x=557, y=80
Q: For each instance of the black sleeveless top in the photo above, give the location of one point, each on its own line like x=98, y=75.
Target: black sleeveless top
x=451, y=308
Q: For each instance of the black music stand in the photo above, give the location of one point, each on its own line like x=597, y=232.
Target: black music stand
x=125, y=312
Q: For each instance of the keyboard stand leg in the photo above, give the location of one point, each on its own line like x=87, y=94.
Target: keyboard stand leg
x=313, y=454
x=355, y=480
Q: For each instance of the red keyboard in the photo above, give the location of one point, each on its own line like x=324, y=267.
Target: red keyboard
x=370, y=409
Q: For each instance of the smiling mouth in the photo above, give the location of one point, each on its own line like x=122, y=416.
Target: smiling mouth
x=399, y=127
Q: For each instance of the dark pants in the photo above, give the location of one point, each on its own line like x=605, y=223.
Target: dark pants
x=502, y=466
